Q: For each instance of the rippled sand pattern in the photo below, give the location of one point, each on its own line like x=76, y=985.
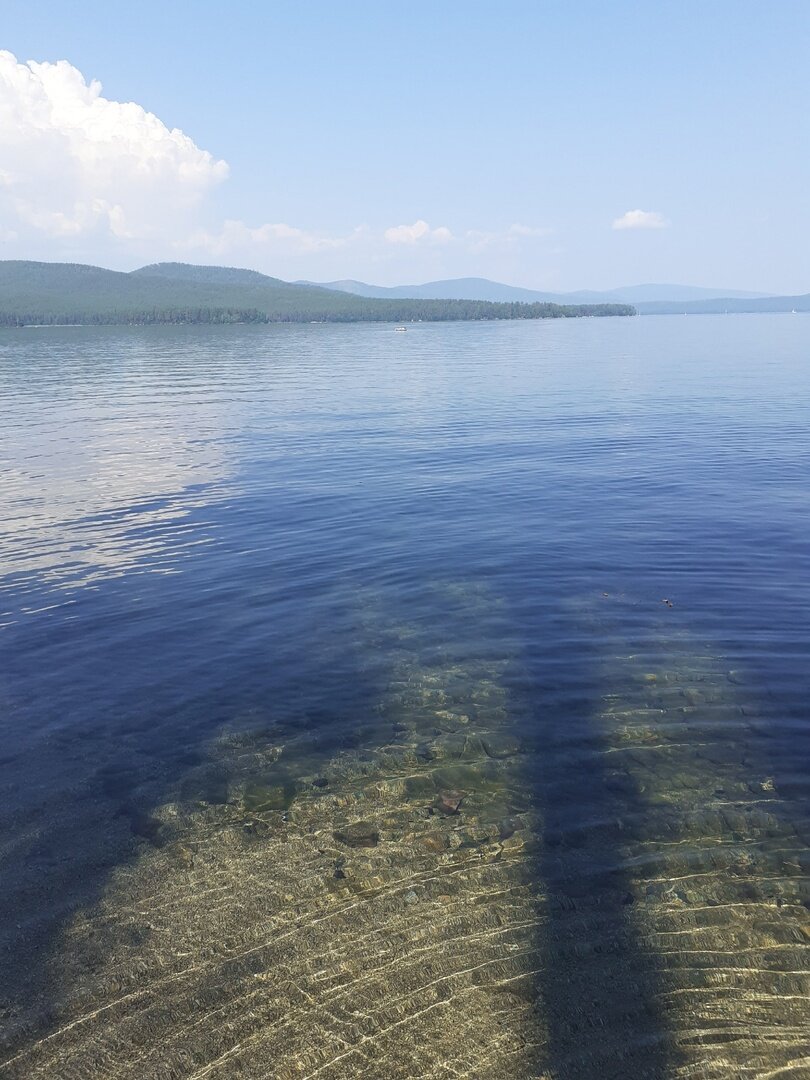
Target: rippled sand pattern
x=374, y=917
x=703, y=828
x=471, y=892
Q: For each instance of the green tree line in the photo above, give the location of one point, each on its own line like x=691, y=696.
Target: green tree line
x=374, y=311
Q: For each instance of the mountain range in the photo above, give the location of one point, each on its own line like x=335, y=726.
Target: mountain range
x=37, y=292
x=483, y=289
x=59, y=293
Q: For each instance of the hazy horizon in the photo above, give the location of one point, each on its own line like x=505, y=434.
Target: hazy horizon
x=731, y=290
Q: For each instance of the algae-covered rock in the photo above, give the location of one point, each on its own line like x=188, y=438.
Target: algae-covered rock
x=209, y=785
x=146, y=827
x=359, y=834
x=259, y=798
x=467, y=777
x=499, y=744
x=419, y=787
x=448, y=747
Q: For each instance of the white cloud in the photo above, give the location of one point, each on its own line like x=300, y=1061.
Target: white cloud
x=419, y=231
x=73, y=162
x=86, y=178
x=403, y=252
x=236, y=236
x=238, y=240
x=641, y=219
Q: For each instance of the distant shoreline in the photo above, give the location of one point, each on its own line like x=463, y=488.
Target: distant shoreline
x=453, y=311
x=10, y=322
x=4, y=325
x=46, y=294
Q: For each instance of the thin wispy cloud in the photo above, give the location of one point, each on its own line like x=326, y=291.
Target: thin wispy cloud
x=641, y=219
x=237, y=237
x=536, y=231
x=479, y=241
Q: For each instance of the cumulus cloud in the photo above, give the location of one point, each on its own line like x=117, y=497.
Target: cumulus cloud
x=418, y=232
x=89, y=178
x=73, y=162
x=641, y=219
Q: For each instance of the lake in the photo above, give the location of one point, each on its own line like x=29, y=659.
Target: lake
x=406, y=705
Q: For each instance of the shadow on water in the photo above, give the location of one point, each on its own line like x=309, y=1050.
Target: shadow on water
x=600, y=986
x=274, y=876
x=390, y=836
x=674, y=854
x=113, y=717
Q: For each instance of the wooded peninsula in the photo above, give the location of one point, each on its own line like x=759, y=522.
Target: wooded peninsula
x=52, y=294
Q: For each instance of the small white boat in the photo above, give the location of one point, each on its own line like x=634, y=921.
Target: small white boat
x=401, y=329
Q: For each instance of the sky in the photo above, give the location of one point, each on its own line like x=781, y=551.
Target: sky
x=554, y=145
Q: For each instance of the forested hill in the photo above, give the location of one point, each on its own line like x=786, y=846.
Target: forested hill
x=59, y=293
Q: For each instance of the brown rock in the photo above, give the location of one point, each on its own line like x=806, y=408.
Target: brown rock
x=449, y=802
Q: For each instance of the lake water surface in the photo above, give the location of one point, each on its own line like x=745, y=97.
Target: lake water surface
x=406, y=705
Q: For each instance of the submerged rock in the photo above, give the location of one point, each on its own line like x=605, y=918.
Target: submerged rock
x=500, y=744
x=259, y=797
x=419, y=787
x=448, y=802
x=145, y=826
x=359, y=834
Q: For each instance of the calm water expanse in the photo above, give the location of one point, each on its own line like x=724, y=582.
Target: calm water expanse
x=406, y=705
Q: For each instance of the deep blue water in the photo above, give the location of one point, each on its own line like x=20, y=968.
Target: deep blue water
x=213, y=528
x=190, y=511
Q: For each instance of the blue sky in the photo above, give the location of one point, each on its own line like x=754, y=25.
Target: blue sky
x=400, y=143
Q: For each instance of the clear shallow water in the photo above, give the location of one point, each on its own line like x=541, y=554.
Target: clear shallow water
x=260, y=585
